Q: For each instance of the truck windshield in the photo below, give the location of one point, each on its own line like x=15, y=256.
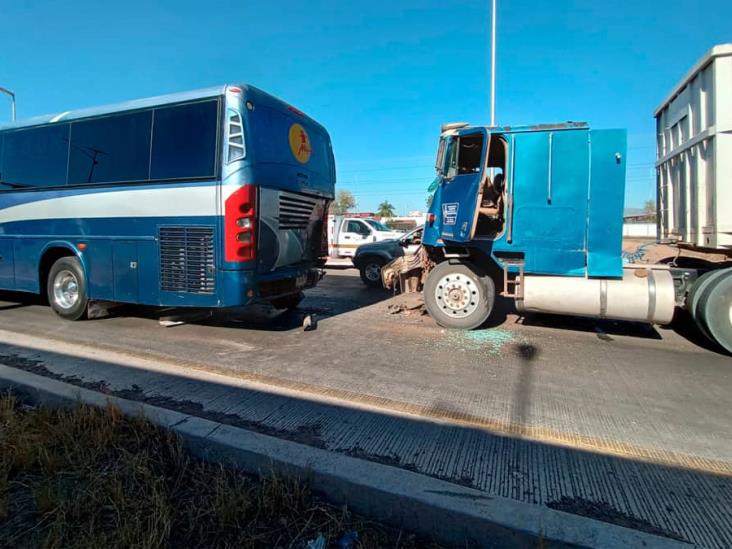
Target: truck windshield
x=376, y=225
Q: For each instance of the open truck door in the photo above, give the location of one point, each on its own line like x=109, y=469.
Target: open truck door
x=463, y=171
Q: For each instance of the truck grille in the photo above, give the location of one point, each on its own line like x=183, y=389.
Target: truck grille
x=187, y=259
x=295, y=210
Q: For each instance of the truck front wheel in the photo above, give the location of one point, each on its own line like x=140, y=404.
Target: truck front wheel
x=459, y=294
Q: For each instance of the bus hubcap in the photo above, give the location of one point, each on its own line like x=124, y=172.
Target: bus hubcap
x=65, y=289
x=457, y=295
x=372, y=271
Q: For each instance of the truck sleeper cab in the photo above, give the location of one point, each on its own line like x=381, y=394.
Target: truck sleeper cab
x=212, y=198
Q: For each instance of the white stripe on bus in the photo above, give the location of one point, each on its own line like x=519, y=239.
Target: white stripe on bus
x=134, y=202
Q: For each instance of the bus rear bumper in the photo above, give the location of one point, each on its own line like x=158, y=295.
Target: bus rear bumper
x=244, y=287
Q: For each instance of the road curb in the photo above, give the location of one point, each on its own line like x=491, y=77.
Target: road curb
x=448, y=512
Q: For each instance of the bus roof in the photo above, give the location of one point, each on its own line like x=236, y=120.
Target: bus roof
x=147, y=102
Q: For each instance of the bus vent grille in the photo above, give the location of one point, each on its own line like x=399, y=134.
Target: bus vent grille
x=296, y=210
x=187, y=260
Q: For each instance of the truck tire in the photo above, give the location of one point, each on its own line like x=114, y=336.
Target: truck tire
x=370, y=271
x=697, y=290
x=288, y=302
x=715, y=310
x=66, y=288
x=459, y=295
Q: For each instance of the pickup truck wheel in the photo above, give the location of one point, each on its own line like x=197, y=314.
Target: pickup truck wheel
x=66, y=288
x=288, y=302
x=715, y=310
x=459, y=295
x=370, y=271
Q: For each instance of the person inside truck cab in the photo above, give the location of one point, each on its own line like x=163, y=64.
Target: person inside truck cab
x=492, y=195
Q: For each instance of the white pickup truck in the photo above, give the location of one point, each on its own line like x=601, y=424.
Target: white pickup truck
x=345, y=234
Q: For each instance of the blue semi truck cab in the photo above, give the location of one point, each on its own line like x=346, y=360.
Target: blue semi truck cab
x=535, y=212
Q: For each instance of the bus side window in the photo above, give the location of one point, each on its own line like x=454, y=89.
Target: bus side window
x=110, y=149
x=184, y=141
x=35, y=157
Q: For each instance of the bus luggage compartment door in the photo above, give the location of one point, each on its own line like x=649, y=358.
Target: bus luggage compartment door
x=126, y=268
x=7, y=268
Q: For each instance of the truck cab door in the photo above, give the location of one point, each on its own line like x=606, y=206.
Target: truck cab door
x=462, y=175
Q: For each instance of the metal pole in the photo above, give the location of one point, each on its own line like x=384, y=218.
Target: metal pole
x=12, y=101
x=493, y=66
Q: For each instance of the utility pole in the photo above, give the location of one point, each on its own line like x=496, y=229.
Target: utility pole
x=493, y=65
x=12, y=101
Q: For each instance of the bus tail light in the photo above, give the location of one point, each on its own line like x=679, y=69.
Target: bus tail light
x=240, y=224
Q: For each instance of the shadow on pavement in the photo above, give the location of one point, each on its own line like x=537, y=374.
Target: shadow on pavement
x=689, y=504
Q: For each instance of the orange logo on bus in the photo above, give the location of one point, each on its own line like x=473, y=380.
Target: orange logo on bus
x=300, y=143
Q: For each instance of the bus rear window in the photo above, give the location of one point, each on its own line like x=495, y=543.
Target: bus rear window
x=270, y=140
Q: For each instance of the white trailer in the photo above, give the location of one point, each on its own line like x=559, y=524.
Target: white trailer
x=694, y=185
x=694, y=156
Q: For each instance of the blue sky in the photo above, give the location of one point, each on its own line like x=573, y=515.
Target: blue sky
x=380, y=75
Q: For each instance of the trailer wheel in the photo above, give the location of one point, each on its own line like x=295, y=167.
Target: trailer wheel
x=715, y=310
x=459, y=295
x=66, y=288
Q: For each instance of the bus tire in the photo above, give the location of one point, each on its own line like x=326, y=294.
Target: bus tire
x=67, y=288
x=459, y=295
x=288, y=302
x=370, y=271
x=715, y=310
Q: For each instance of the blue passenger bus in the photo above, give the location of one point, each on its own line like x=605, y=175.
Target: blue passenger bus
x=210, y=198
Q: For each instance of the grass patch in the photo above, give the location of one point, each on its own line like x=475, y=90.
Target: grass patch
x=90, y=477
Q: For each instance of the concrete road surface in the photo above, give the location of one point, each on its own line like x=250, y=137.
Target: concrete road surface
x=622, y=422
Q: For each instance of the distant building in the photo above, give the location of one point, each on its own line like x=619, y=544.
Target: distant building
x=638, y=223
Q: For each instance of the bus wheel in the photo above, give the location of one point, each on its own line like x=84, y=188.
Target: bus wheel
x=287, y=303
x=714, y=309
x=459, y=295
x=66, y=288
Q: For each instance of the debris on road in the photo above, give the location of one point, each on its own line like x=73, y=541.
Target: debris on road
x=490, y=341
x=310, y=322
x=179, y=318
x=407, y=304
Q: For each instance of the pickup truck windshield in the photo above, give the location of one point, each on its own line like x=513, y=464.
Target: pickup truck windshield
x=376, y=225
